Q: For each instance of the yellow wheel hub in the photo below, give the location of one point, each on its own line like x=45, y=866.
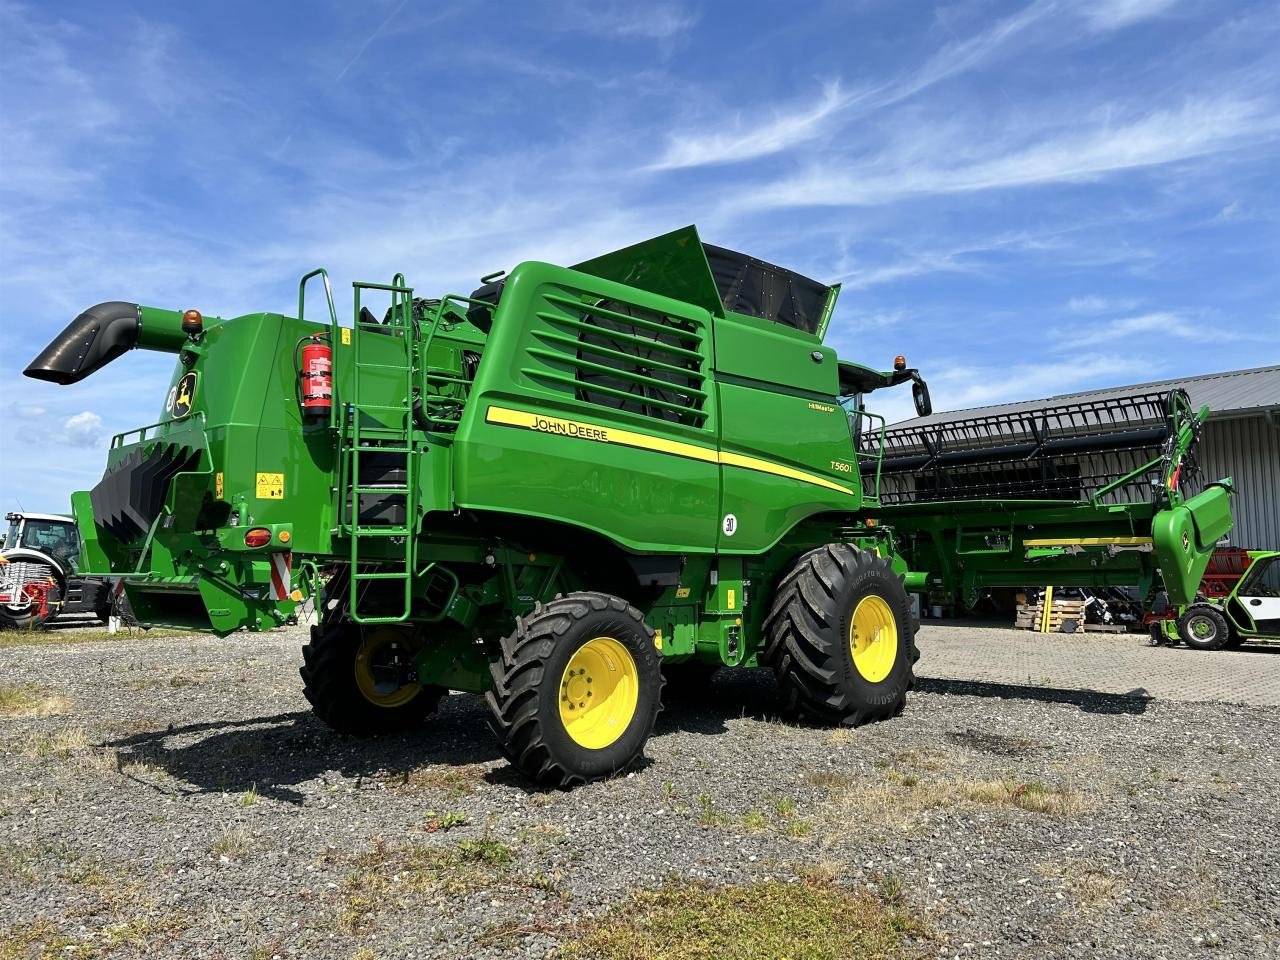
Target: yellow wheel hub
x=873, y=638
x=382, y=663
x=598, y=693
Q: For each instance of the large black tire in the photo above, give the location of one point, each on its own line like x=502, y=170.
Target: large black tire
x=533, y=688
x=810, y=640
x=332, y=680
x=1203, y=627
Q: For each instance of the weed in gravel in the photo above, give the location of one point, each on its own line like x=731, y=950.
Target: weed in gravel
x=930, y=761
x=1090, y=885
x=784, y=807
x=797, y=829
x=387, y=878
x=754, y=821
x=233, y=843
x=45, y=638
x=815, y=919
x=250, y=797
x=15, y=863
x=898, y=800
x=708, y=815
x=828, y=779
x=485, y=850
x=36, y=938
x=839, y=737
x=455, y=780
x=444, y=821
x=29, y=700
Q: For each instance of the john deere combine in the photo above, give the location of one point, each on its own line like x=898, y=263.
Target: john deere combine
x=558, y=489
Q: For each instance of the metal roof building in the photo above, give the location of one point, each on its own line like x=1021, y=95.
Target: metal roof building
x=1241, y=439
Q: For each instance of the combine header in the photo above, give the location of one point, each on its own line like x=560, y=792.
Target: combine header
x=575, y=482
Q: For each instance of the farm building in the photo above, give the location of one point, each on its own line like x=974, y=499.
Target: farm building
x=1241, y=439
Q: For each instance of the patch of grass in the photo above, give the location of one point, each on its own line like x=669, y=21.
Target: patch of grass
x=233, y=843
x=62, y=744
x=840, y=736
x=828, y=779
x=389, y=878
x=249, y=797
x=15, y=863
x=899, y=800
x=444, y=821
x=485, y=850
x=46, y=638
x=36, y=938
x=447, y=779
x=797, y=829
x=813, y=919
x=784, y=807
x=1089, y=884
x=755, y=821
x=930, y=761
x=30, y=700
x=708, y=815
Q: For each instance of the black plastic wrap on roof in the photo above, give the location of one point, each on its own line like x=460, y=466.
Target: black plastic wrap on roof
x=759, y=289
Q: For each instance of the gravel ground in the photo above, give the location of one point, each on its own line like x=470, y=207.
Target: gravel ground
x=181, y=801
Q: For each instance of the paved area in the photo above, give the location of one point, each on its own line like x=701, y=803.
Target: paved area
x=958, y=657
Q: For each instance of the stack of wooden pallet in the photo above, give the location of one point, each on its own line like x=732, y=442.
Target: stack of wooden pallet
x=1030, y=615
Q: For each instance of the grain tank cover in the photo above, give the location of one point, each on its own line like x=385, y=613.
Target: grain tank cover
x=681, y=266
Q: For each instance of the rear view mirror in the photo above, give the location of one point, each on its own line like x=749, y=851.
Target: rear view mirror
x=920, y=394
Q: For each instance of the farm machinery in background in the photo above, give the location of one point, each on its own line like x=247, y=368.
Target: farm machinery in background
x=38, y=578
x=1238, y=601
x=578, y=483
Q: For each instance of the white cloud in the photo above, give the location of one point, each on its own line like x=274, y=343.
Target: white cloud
x=1115, y=14
x=924, y=162
x=745, y=139
x=652, y=21
x=1096, y=304
x=1154, y=325
x=83, y=430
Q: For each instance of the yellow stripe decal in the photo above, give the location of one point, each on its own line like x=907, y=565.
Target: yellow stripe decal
x=643, y=441
x=1087, y=542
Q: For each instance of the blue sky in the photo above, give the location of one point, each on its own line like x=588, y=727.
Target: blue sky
x=1024, y=198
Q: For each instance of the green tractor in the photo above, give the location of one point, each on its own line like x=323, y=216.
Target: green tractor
x=579, y=483
x=1238, y=601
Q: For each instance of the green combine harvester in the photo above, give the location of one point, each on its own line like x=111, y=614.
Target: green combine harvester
x=578, y=482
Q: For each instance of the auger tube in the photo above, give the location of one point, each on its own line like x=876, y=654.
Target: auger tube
x=102, y=333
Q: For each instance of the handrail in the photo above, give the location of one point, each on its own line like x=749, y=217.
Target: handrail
x=879, y=454
x=117, y=441
x=328, y=292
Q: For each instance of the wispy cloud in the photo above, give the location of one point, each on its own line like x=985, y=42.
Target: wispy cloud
x=745, y=138
x=1114, y=14
x=1092, y=304
x=931, y=163
x=618, y=18
x=741, y=140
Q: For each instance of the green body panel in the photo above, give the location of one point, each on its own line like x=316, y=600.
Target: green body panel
x=687, y=481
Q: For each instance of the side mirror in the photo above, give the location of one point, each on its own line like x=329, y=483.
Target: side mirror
x=920, y=394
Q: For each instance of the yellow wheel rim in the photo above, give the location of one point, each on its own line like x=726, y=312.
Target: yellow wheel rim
x=377, y=674
x=598, y=693
x=873, y=638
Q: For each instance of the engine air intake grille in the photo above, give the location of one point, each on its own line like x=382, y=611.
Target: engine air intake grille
x=622, y=356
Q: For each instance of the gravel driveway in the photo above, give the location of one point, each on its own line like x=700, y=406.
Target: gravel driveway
x=173, y=797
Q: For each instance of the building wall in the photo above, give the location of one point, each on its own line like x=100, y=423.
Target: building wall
x=1247, y=449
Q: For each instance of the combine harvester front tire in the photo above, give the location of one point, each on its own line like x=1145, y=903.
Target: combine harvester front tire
x=576, y=690
x=840, y=637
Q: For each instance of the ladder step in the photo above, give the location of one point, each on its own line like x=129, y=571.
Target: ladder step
x=387, y=490
x=382, y=576
x=383, y=407
x=380, y=531
x=402, y=367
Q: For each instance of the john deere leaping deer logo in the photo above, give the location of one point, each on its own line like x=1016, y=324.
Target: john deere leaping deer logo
x=182, y=396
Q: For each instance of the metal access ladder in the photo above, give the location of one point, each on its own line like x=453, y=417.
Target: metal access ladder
x=381, y=551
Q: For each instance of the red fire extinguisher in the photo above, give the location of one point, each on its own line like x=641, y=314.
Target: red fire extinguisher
x=316, y=372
